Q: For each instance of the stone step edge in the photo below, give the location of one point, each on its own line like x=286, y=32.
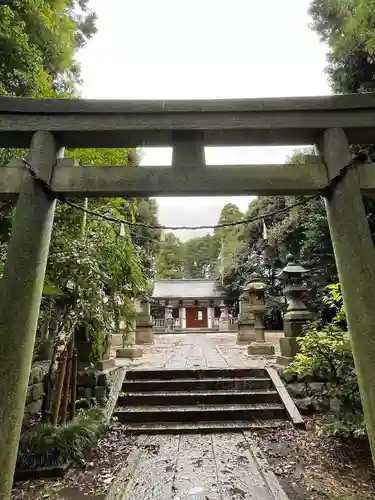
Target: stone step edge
x=199, y=408
x=145, y=394
x=192, y=380
x=197, y=374
x=203, y=427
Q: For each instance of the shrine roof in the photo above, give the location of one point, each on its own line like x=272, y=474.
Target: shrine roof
x=186, y=288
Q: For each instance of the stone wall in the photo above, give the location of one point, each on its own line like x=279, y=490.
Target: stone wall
x=305, y=391
x=35, y=390
x=93, y=386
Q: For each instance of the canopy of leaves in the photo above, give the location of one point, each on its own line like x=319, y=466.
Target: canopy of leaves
x=348, y=27
x=170, y=259
x=38, y=40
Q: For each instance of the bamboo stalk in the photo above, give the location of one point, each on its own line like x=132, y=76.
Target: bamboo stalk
x=74, y=384
x=60, y=382
x=65, y=401
x=48, y=386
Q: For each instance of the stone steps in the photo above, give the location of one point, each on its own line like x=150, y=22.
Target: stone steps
x=204, y=400
x=187, y=385
x=203, y=427
x=199, y=374
x=174, y=413
x=198, y=397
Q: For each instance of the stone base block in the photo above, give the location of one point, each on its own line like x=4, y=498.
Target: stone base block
x=261, y=349
x=288, y=347
x=245, y=337
x=144, y=335
x=116, y=340
x=106, y=364
x=224, y=326
x=131, y=352
x=283, y=360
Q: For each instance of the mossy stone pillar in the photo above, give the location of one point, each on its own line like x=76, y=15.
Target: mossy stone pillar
x=128, y=347
x=144, y=333
x=257, y=306
x=355, y=260
x=224, y=318
x=169, y=321
x=246, y=332
x=296, y=314
x=20, y=295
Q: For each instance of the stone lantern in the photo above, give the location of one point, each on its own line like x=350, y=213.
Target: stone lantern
x=169, y=321
x=144, y=332
x=224, y=319
x=257, y=306
x=246, y=333
x=129, y=348
x=297, y=313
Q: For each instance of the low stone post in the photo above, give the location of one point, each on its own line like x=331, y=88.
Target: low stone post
x=224, y=319
x=144, y=332
x=297, y=313
x=129, y=348
x=257, y=306
x=246, y=332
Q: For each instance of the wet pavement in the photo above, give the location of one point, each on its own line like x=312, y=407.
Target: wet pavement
x=197, y=467
x=195, y=351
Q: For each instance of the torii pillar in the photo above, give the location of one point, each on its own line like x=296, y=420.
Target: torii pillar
x=355, y=261
x=20, y=295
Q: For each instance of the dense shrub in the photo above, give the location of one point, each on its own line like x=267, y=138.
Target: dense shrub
x=325, y=354
x=48, y=445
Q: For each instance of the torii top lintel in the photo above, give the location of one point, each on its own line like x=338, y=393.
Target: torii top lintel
x=226, y=122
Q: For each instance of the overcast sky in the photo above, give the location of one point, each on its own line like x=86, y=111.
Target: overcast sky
x=190, y=49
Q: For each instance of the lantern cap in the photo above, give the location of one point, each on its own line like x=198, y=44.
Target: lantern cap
x=292, y=268
x=254, y=279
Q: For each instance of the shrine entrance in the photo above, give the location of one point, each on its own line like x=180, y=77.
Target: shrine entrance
x=196, y=317
x=332, y=123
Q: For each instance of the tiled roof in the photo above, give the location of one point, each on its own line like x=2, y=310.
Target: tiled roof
x=194, y=289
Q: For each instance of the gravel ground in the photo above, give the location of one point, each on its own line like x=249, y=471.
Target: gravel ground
x=313, y=468
x=90, y=482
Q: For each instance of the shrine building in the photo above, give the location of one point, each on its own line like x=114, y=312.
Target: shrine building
x=194, y=304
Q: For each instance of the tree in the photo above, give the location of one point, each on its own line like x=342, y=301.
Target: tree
x=348, y=27
x=38, y=40
x=228, y=238
x=200, y=257
x=170, y=259
x=302, y=231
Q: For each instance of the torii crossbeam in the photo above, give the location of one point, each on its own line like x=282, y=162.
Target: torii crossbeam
x=332, y=123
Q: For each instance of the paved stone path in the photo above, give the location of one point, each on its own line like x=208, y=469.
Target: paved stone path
x=193, y=351
x=197, y=467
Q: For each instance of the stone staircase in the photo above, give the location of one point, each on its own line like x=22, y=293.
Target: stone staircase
x=212, y=400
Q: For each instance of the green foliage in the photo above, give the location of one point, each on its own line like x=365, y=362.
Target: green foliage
x=38, y=40
x=89, y=271
x=200, y=257
x=47, y=445
x=325, y=354
x=170, y=259
x=302, y=231
x=348, y=27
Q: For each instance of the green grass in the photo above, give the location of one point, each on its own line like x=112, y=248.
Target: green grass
x=47, y=445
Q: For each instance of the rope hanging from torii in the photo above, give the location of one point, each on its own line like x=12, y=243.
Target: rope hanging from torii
x=357, y=159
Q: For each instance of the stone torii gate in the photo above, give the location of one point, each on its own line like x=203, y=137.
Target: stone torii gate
x=46, y=126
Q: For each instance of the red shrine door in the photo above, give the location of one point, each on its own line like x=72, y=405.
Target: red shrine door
x=196, y=317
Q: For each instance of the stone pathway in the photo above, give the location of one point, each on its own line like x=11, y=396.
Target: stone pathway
x=197, y=467
x=193, y=351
